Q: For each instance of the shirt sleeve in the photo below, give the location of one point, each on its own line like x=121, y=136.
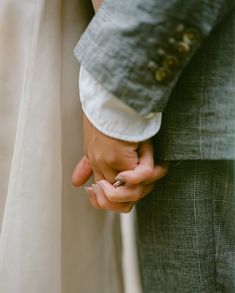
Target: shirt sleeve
x=113, y=117
x=137, y=50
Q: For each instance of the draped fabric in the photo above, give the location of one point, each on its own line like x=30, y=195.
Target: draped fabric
x=51, y=240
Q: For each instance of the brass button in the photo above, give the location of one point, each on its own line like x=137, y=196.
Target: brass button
x=191, y=36
x=162, y=74
x=170, y=61
x=171, y=41
x=161, y=52
x=153, y=66
x=182, y=47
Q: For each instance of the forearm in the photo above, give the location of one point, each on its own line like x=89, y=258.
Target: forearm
x=138, y=49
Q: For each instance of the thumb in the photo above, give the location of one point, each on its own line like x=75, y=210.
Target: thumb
x=143, y=174
x=146, y=172
x=82, y=172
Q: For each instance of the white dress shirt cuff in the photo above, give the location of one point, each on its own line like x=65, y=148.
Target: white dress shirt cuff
x=111, y=116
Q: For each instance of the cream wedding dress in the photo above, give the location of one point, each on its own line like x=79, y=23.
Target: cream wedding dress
x=51, y=240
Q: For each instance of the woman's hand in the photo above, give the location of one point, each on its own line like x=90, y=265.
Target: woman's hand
x=110, y=159
x=138, y=183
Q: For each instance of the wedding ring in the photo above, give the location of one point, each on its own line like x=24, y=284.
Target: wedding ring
x=118, y=183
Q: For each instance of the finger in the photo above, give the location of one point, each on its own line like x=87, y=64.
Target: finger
x=144, y=174
x=144, y=169
x=92, y=197
x=124, y=193
x=146, y=154
x=82, y=172
x=125, y=158
x=104, y=171
x=97, y=175
x=106, y=204
x=159, y=172
x=109, y=174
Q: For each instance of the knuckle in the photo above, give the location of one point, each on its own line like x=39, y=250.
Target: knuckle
x=98, y=158
x=149, y=172
x=111, y=159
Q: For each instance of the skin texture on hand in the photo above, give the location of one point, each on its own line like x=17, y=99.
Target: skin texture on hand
x=109, y=159
x=104, y=156
x=138, y=183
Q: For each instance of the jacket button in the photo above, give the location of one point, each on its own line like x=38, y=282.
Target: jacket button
x=171, y=41
x=153, y=66
x=170, y=61
x=162, y=74
x=161, y=52
x=191, y=36
x=182, y=47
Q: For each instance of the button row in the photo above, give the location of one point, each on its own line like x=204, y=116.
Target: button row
x=182, y=44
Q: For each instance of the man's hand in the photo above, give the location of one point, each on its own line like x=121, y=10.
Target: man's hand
x=138, y=183
x=104, y=156
x=111, y=159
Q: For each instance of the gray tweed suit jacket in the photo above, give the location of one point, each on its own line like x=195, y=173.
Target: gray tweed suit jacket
x=174, y=56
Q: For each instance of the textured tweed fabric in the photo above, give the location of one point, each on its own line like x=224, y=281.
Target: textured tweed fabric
x=187, y=230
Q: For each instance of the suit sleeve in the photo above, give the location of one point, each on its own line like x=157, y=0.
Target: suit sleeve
x=137, y=49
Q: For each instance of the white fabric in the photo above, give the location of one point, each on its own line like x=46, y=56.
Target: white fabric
x=111, y=116
x=51, y=240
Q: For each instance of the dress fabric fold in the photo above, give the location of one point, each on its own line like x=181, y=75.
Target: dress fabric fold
x=51, y=240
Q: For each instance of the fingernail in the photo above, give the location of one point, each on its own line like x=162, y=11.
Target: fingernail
x=120, y=178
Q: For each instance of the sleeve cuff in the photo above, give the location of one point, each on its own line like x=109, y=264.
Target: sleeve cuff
x=113, y=117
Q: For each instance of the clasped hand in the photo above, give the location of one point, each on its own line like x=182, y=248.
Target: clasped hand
x=111, y=159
